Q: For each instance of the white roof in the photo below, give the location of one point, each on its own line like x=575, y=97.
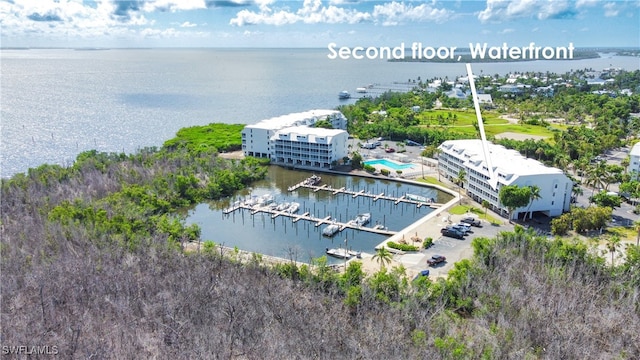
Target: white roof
x=311, y=132
x=635, y=150
x=294, y=119
x=509, y=164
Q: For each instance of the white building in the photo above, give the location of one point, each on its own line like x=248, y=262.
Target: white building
x=308, y=147
x=511, y=168
x=300, y=144
x=634, y=161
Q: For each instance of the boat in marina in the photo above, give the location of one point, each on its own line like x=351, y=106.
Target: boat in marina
x=265, y=199
x=344, y=94
x=340, y=253
x=419, y=198
x=313, y=180
x=293, y=208
x=330, y=230
x=380, y=227
x=362, y=219
x=283, y=206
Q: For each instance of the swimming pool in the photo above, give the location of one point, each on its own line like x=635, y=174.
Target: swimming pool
x=388, y=163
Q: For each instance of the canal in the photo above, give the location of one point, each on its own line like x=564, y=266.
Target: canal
x=302, y=240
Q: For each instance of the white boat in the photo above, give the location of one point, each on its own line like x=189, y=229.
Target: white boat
x=344, y=94
x=362, y=219
x=361, y=90
x=419, y=198
x=282, y=207
x=330, y=230
x=312, y=180
x=293, y=208
x=265, y=199
x=380, y=227
x=339, y=253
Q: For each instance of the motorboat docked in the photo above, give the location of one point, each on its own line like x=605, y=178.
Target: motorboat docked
x=362, y=219
x=419, y=198
x=313, y=180
x=265, y=199
x=293, y=208
x=344, y=94
x=380, y=227
x=283, y=206
x=340, y=253
x=330, y=230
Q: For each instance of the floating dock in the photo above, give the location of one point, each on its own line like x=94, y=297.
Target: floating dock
x=355, y=194
x=306, y=216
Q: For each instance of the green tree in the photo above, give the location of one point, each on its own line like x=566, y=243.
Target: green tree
x=485, y=204
x=613, y=243
x=462, y=174
x=356, y=160
x=382, y=256
x=534, y=194
x=513, y=197
x=604, y=199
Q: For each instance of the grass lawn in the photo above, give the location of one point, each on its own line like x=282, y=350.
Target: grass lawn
x=463, y=209
x=431, y=180
x=625, y=233
x=460, y=121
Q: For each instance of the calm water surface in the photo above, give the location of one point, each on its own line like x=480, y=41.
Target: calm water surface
x=302, y=240
x=58, y=103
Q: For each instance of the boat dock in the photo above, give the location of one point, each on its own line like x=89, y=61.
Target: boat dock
x=355, y=194
x=306, y=216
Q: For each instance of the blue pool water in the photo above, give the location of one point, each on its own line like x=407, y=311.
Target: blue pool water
x=389, y=164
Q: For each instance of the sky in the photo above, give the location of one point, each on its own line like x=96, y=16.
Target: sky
x=316, y=23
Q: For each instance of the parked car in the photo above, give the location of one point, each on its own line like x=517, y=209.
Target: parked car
x=421, y=274
x=390, y=150
x=471, y=221
x=461, y=229
x=465, y=226
x=452, y=233
x=436, y=259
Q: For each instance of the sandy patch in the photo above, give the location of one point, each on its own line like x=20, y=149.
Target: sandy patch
x=232, y=155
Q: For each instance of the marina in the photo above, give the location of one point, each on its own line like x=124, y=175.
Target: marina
x=323, y=219
x=408, y=198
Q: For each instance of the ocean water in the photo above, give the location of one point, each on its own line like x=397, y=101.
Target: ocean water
x=58, y=103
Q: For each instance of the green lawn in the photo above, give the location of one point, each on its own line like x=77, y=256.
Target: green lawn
x=463, y=209
x=431, y=180
x=460, y=121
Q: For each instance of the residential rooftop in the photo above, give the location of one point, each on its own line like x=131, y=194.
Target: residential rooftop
x=294, y=119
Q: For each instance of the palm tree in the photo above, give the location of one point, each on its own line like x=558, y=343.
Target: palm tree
x=460, y=181
x=382, y=256
x=533, y=196
x=612, y=246
x=485, y=205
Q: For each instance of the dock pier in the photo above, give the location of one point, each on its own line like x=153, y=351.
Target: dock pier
x=375, y=197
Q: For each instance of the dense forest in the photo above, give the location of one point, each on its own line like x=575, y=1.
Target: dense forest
x=93, y=263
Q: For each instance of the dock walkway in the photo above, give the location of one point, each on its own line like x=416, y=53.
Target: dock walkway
x=306, y=216
x=355, y=194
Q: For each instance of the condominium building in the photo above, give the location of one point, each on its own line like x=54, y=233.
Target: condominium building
x=309, y=147
x=292, y=140
x=510, y=168
x=634, y=161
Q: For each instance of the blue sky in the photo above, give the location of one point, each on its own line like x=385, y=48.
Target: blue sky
x=316, y=23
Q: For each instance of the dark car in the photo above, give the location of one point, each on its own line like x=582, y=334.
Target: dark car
x=422, y=273
x=436, y=259
x=452, y=233
x=389, y=150
x=471, y=221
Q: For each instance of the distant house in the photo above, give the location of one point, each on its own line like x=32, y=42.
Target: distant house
x=485, y=99
x=634, y=161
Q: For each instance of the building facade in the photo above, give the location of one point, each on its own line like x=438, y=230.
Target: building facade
x=510, y=168
x=634, y=161
x=292, y=140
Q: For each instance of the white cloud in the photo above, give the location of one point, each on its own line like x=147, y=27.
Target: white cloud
x=503, y=10
x=188, y=24
x=314, y=12
x=173, y=5
x=610, y=10
x=506, y=31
